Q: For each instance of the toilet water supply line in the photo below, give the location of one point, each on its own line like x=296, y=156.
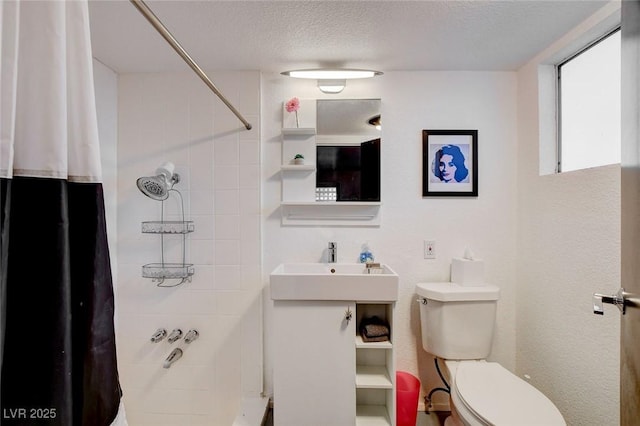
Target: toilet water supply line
x=427, y=399
x=164, y=32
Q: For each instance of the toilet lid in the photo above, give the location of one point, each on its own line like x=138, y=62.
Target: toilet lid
x=500, y=398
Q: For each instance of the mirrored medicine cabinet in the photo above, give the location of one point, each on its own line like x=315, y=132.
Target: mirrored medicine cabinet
x=348, y=148
x=339, y=181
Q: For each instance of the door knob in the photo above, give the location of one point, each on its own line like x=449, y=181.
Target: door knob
x=619, y=299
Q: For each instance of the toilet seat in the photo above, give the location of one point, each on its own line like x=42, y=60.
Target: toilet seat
x=494, y=396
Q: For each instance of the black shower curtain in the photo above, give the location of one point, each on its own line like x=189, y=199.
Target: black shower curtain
x=58, y=357
x=57, y=340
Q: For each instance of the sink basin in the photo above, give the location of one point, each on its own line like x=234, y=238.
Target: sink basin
x=333, y=281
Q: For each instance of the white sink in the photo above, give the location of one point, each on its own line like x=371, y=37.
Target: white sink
x=333, y=281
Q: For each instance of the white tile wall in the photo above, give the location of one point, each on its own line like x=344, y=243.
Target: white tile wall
x=173, y=117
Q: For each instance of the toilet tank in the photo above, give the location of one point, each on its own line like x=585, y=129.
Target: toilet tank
x=457, y=322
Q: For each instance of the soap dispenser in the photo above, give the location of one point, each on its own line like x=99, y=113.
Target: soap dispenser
x=365, y=254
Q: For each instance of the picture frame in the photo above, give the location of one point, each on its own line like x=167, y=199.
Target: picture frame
x=449, y=163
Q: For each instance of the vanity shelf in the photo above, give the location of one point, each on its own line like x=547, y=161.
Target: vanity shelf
x=361, y=344
x=373, y=377
x=298, y=131
x=298, y=168
x=331, y=213
x=372, y=415
x=167, y=227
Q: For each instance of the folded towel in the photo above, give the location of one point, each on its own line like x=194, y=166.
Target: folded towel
x=374, y=327
x=375, y=330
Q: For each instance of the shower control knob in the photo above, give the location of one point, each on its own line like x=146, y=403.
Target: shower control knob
x=191, y=335
x=175, y=335
x=160, y=334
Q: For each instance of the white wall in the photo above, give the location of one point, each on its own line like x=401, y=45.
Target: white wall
x=174, y=117
x=568, y=248
x=411, y=102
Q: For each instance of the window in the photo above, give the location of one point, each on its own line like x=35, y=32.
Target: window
x=589, y=106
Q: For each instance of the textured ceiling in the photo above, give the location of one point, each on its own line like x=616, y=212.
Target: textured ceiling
x=383, y=35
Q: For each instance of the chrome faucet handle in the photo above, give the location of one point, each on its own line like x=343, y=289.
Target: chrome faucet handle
x=160, y=334
x=191, y=335
x=175, y=335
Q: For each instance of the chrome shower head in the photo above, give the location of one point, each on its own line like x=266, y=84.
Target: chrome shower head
x=157, y=187
x=153, y=187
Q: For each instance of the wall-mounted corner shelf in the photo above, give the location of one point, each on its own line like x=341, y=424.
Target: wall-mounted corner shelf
x=331, y=213
x=298, y=131
x=298, y=168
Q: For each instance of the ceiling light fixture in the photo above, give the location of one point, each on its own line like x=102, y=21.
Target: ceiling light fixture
x=331, y=80
x=331, y=86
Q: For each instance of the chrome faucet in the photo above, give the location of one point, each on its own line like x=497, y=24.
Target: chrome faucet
x=332, y=252
x=175, y=355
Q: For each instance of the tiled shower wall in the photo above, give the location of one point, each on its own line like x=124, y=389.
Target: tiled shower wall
x=175, y=117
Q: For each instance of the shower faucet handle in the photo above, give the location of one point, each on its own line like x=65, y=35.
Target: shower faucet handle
x=619, y=299
x=159, y=334
x=175, y=335
x=191, y=335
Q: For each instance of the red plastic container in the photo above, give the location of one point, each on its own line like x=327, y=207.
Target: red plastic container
x=407, y=394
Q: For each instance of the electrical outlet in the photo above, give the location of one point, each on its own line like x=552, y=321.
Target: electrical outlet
x=429, y=249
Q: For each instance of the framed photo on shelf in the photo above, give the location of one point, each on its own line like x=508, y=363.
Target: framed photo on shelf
x=449, y=163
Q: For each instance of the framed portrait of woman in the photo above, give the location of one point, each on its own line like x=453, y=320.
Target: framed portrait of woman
x=449, y=163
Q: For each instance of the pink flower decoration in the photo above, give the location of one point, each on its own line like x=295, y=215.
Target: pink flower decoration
x=293, y=105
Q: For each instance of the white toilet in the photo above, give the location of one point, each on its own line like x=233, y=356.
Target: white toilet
x=457, y=326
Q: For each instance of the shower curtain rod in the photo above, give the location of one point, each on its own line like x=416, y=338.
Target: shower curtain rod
x=159, y=26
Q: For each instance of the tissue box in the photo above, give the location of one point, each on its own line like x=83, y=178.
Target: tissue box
x=467, y=272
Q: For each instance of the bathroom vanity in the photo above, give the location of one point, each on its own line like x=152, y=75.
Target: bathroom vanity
x=325, y=373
